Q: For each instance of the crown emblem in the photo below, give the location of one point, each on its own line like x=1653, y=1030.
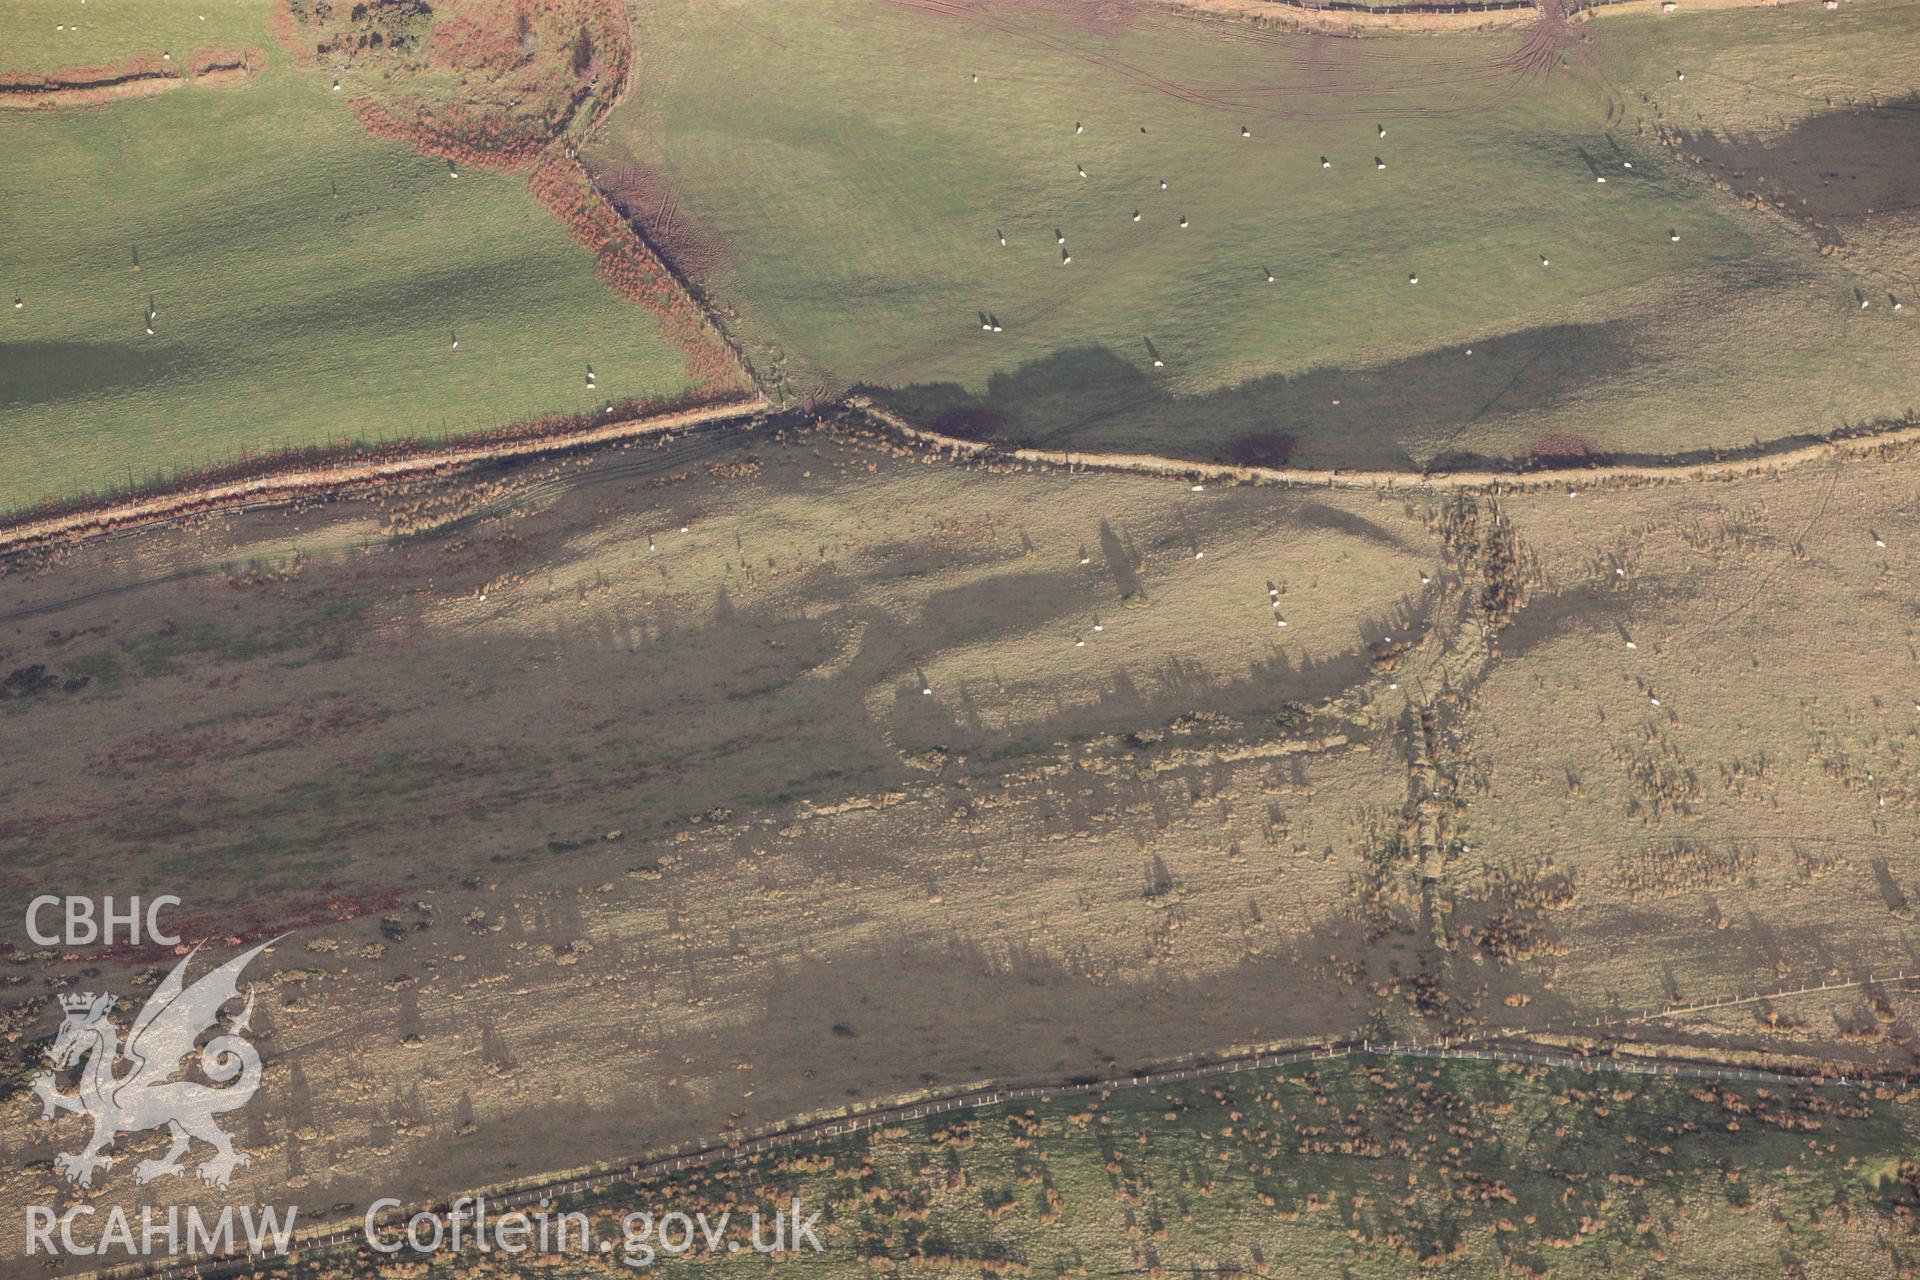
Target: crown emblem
x=148, y=1096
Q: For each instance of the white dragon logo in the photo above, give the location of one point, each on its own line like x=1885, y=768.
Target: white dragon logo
x=149, y=1095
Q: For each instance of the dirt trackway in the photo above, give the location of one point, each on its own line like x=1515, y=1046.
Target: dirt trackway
x=272, y=488
x=281, y=486
x=1761, y=462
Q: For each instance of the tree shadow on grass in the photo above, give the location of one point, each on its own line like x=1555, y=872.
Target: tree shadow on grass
x=34, y=373
x=1836, y=171
x=1402, y=415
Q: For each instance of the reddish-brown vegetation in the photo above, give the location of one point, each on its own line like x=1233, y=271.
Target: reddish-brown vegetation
x=527, y=77
x=238, y=925
x=499, y=153
x=225, y=62
x=139, y=75
x=630, y=267
x=470, y=78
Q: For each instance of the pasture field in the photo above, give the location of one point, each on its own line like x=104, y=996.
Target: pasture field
x=649, y=796
x=309, y=282
x=1367, y=1169
x=637, y=797
x=51, y=35
x=837, y=175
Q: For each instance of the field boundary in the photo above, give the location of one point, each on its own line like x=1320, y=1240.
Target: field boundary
x=862, y=1117
x=138, y=75
x=1784, y=455
x=274, y=487
x=716, y=324
x=1415, y=16
x=298, y=478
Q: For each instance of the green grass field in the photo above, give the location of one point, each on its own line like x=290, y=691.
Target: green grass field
x=308, y=281
x=50, y=35
x=1353, y=1168
x=847, y=176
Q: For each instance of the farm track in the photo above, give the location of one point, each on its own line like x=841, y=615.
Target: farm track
x=127, y=519
x=694, y=448
x=277, y=488
x=1726, y=466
